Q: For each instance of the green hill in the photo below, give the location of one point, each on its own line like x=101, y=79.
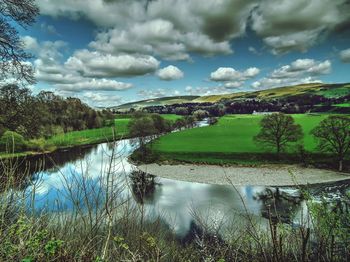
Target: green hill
x=326, y=90
x=157, y=102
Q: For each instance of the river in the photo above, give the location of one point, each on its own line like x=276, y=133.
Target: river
x=75, y=171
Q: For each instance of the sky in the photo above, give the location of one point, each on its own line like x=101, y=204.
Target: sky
x=110, y=52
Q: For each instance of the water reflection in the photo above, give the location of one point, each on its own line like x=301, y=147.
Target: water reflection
x=81, y=174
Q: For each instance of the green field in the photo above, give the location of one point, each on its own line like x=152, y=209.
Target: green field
x=231, y=136
x=89, y=136
x=99, y=135
x=343, y=105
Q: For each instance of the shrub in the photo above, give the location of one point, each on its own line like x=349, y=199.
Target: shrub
x=12, y=142
x=37, y=144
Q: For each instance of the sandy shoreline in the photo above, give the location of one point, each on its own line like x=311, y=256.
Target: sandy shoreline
x=272, y=175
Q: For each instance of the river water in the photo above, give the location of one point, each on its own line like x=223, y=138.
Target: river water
x=178, y=203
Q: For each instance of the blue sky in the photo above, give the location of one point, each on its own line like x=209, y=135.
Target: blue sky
x=112, y=52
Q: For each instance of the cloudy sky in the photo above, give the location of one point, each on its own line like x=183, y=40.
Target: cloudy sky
x=109, y=52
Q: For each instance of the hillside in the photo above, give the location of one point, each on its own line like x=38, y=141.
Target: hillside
x=156, y=102
x=326, y=90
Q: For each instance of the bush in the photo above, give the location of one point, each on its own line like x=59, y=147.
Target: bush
x=39, y=145
x=12, y=142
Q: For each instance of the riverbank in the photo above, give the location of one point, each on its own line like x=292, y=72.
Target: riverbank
x=72, y=139
x=87, y=137
x=266, y=175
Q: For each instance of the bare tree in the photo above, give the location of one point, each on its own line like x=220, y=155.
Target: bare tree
x=12, y=55
x=333, y=135
x=277, y=130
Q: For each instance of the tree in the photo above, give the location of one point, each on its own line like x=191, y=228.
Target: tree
x=180, y=123
x=333, y=135
x=200, y=114
x=12, y=55
x=11, y=142
x=16, y=107
x=278, y=130
x=141, y=127
x=190, y=121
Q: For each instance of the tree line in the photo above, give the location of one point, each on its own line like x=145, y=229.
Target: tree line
x=332, y=134
x=45, y=114
x=145, y=127
x=296, y=104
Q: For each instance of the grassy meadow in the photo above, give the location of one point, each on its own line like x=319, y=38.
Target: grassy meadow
x=88, y=136
x=99, y=135
x=91, y=136
x=227, y=141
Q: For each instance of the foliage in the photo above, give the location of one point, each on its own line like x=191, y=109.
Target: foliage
x=12, y=55
x=331, y=221
x=200, y=114
x=26, y=241
x=278, y=130
x=46, y=114
x=333, y=135
x=12, y=142
x=160, y=124
x=142, y=127
x=105, y=227
x=92, y=136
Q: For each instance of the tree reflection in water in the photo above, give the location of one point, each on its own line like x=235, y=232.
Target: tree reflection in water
x=279, y=206
x=18, y=173
x=143, y=186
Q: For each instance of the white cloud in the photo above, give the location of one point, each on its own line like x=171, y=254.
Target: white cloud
x=299, y=71
x=101, y=12
x=156, y=93
x=152, y=93
x=253, y=50
x=171, y=29
x=95, y=64
x=101, y=99
x=158, y=37
x=301, y=67
x=50, y=29
x=205, y=91
x=170, y=73
x=288, y=25
x=30, y=43
x=345, y=55
x=71, y=77
x=233, y=85
x=223, y=74
x=94, y=84
x=299, y=41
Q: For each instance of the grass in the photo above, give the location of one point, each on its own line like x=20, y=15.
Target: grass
x=343, y=105
x=335, y=92
x=99, y=135
x=231, y=138
x=171, y=117
x=88, y=136
x=91, y=136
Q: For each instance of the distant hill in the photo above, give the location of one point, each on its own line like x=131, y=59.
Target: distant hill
x=157, y=102
x=326, y=90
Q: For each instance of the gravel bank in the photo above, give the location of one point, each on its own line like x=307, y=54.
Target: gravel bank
x=272, y=175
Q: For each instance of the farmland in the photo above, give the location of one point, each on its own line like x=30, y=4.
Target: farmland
x=231, y=138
